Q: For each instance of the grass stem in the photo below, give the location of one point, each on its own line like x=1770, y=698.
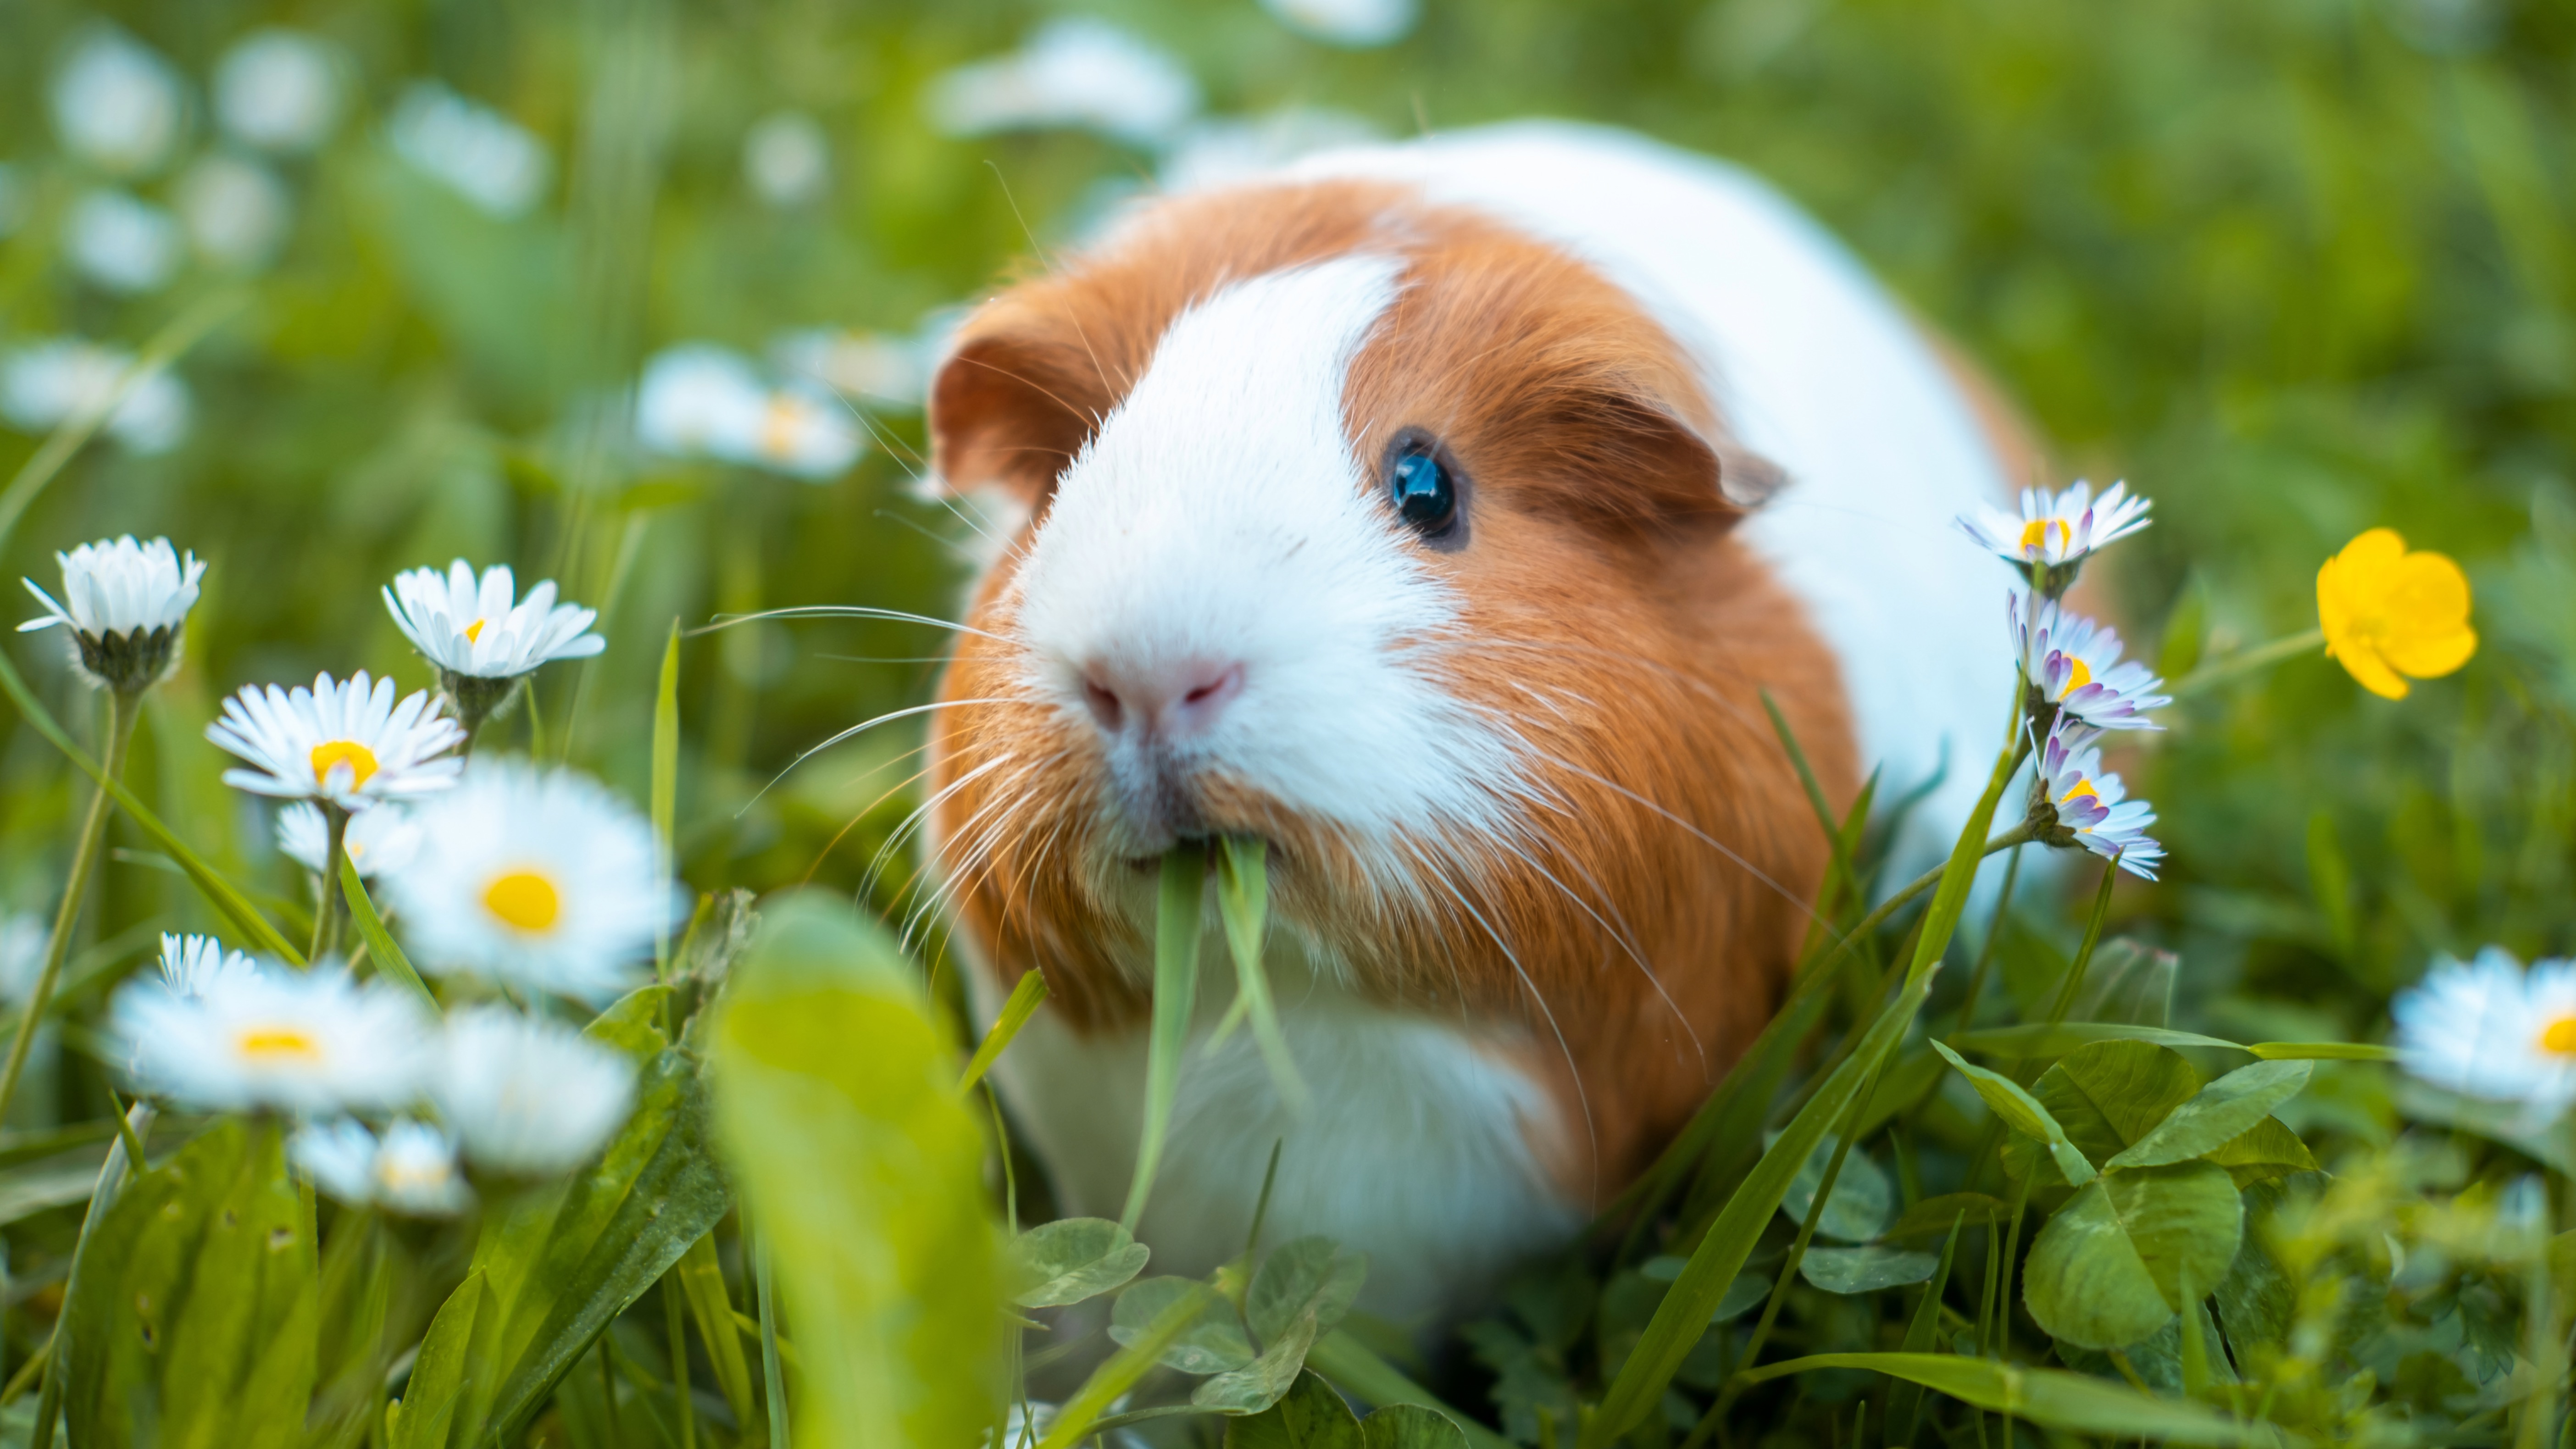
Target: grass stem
x=122, y=710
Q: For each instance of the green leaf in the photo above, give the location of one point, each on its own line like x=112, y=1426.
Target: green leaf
x=1110, y=1382
x=2024, y=1114
x=632, y=1024
x=2107, y=1269
x=2038, y=1039
x=1017, y=1008
x=2268, y=1149
x=1214, y=1343
x=1864, y=1269
x=1411, y=1426
x=1856, y=1211
x=1176, y=985
x=389, y=958
x=2111, y=1093
x=862, y=1168
x=1243, y=902
x=193, y=1323
x=1257, y=1385
x=2127, y=983
x=1070, y=1260
x=452, y=1379
x=2074, y=1403
x=2219, y=1113
x=1308, y=1275
x=1309, y=1416
x=220, y=893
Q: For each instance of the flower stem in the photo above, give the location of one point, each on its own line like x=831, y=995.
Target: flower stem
x=122, y=711
x=330, y=914
x=2245, y=661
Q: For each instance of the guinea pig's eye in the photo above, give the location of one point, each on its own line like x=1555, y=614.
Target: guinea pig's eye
x=1424, y=494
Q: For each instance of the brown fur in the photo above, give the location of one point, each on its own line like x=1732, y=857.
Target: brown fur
x=1630, y=945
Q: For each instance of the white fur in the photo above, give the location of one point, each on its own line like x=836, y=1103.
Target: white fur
x=1815, y=367
x=1414, y=1147
x=1218, y=514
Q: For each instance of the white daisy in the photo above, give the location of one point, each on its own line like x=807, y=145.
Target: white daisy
x=121, y=243
x=349, y=744
x=381, y=841
x=2075, y=664
x=699, y=400
x=2058, y=528
x=883, y=369
x=118, y=105
x=2092, y=808
x=46, y=382
x=471, y=628
x=1356, y=24
x=191, y=966
x=124, y=603
x=473, y=150
x=312, y=1042
x=278, y=90
x=412, y=1169
x=1075, y=71
x=237, y=211
x=528, y=1097
x=2487, y=1028
x=787, y=159
x=540, y=880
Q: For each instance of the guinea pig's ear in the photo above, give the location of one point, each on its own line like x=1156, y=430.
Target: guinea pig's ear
x=1012, y=408
x=1639, y=464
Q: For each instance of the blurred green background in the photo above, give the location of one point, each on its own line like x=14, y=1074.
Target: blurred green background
x=2292, y=268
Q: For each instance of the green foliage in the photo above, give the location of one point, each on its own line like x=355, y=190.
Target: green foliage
x=863, y=1170
x=194, y=1323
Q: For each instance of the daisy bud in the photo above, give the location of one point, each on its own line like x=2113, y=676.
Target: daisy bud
x=125, y=604
x=479, y=640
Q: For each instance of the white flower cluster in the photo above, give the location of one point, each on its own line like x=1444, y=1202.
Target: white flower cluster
x=537, y=882
x=2077, y=687
x=221, y=1031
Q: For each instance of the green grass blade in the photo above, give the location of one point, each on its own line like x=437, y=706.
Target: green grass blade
x=666, y=783
x=1243, y=901
x=2039, y=1039
x=1683, y=1316
x=1806, y=772
x=1110, y=1382
x=2322, y=1051
x=389, y=958
x=1023, y=1003
x=220, y=893
x=2071, y=1402
x=1176, y=981
x=1921, y=1336
x=773, y=1374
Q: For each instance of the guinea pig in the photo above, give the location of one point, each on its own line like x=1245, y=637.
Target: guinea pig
x=1438, y=513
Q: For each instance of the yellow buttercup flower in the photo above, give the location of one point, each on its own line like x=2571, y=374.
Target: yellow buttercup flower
x=2389, y=614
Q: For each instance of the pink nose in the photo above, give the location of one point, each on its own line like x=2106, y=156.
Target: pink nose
x=1168, y=702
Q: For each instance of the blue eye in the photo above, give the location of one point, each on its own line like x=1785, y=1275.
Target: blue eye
x=1423, y=494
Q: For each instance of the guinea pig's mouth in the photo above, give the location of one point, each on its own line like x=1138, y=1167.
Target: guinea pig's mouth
x=1205, y=843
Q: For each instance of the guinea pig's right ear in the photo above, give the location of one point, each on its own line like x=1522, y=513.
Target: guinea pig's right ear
x=1012, y=407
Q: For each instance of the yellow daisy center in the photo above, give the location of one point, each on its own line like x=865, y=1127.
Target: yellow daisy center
x=2077, y=676
x=2560, y=1037
x=2034, y=534
x=523, y=899
x=2083, y=787
x=398, y=1174
x=278, y=1043
x=779, y=426
x=331, y=754
x=474, y=631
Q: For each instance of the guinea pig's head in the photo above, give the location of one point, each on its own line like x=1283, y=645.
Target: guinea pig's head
x=1390, y=536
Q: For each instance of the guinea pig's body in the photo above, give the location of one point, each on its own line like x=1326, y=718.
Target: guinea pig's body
x=1440, y=513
